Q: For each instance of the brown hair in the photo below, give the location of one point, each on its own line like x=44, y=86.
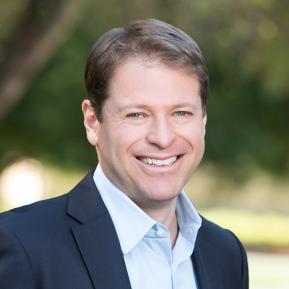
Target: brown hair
x=147, y=38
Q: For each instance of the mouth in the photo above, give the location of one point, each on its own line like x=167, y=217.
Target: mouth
x=158, y=162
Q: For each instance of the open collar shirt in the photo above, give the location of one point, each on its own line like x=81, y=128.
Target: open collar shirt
x=150, y=260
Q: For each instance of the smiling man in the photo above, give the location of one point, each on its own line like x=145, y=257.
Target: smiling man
x=128, y=224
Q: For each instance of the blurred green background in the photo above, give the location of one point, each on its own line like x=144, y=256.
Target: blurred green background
x=243, y=181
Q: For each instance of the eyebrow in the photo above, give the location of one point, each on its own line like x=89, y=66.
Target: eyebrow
x=141, y=106
x=187, y=104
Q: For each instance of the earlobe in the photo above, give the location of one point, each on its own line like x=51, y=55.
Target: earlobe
x=91, y=122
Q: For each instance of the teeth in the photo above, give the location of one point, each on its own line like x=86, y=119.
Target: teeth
x=156, y=162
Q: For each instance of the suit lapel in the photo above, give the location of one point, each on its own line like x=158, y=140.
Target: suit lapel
x=102, y=254
x=203, y=279
x=96, y=237
x=207, y=270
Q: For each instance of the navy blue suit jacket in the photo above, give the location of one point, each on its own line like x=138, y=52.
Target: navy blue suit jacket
x=69, y=242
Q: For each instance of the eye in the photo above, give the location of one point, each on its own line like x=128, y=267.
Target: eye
x=182, y=113
x=135, y=115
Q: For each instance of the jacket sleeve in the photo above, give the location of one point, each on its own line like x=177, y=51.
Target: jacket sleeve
x=244, y=264
x=245, y=273
x=15, y=268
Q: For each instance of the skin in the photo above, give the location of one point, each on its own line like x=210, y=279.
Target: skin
x=152, y=111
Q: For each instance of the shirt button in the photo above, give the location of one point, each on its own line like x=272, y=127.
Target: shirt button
x=161, y=233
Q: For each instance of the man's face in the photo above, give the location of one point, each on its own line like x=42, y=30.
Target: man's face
x=151, y=138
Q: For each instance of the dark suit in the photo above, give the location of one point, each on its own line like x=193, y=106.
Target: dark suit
x=69, y=242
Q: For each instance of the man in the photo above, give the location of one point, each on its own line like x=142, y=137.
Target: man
x=128, y=224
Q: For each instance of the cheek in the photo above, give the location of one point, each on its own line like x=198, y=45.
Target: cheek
x=133, y=133
x=194, y=134
x=124, y=138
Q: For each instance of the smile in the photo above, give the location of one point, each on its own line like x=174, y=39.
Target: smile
x=158, y=162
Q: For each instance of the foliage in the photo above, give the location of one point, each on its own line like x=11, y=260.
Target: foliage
x=10, y=11
x=246, y=47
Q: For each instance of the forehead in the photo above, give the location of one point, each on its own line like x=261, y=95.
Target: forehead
x=148, y=80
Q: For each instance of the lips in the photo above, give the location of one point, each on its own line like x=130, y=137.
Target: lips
x=158, y=162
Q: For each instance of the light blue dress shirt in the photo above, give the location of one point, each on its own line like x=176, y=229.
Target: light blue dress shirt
x=150, y=260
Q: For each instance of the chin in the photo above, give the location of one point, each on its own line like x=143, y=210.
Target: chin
x=163, y=194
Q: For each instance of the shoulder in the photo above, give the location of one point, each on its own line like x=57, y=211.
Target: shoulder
x=215, y=234
x=224, y=252
x=32, y=238
x=33, y=214
x=35, y=234
x=214, y=237
x=48, y=212
x=36, y=223
x=52, y=215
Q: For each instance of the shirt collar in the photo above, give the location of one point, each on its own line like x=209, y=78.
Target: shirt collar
x=189, y=220
x=132, y=223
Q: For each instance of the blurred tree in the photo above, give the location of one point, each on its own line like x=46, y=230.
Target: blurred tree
x=31, y=32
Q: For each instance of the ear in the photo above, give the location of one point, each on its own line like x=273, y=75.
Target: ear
x=91, y=122
x=204, y=122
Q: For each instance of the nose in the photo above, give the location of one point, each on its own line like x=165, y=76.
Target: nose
x=161, y=133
